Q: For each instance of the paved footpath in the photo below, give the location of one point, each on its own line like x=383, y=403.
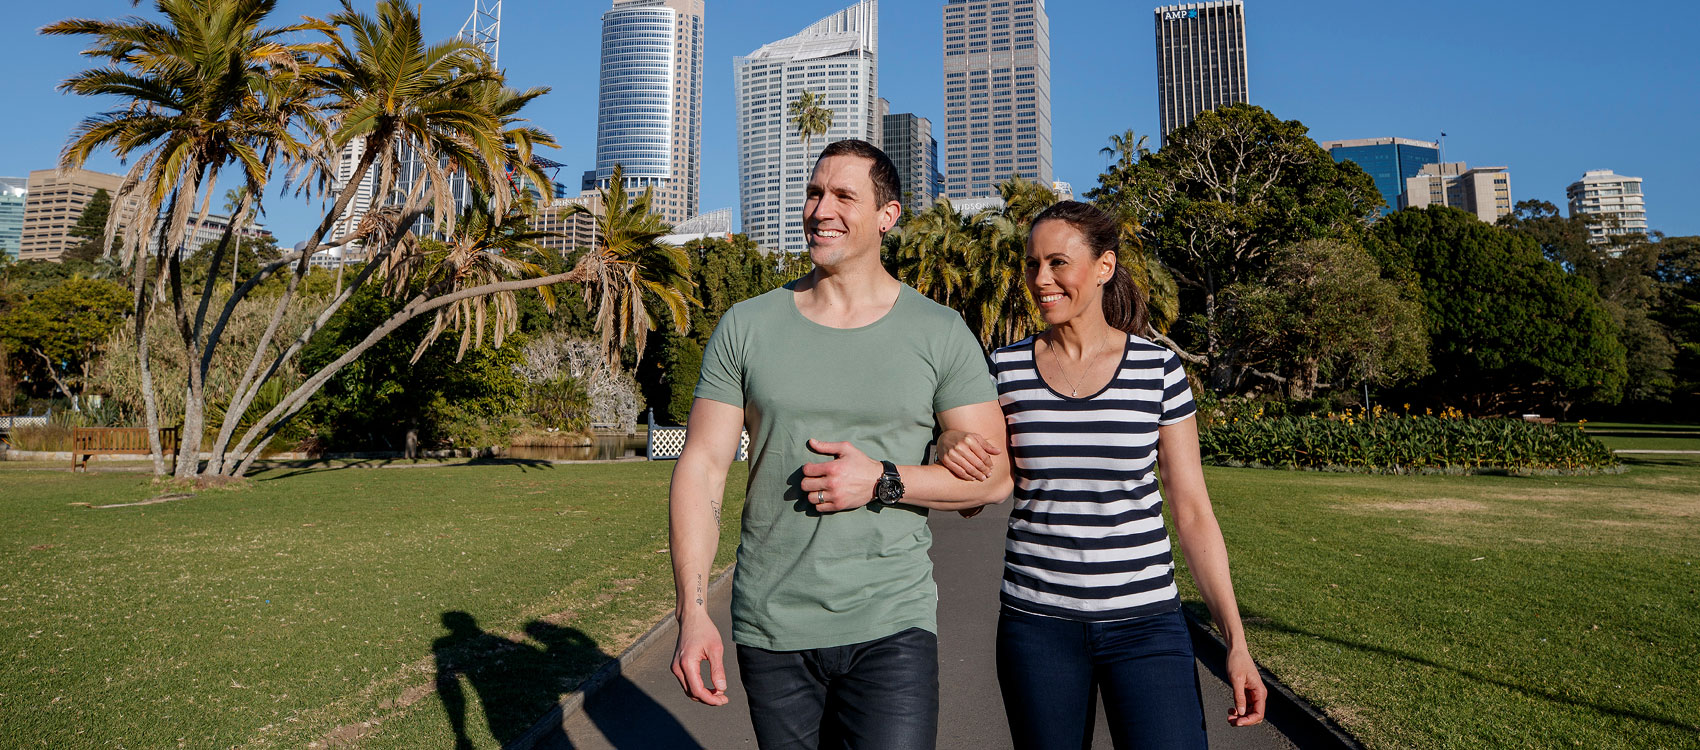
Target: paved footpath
x=644, y=708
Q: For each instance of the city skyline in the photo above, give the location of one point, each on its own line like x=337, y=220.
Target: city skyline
x=1550, y=116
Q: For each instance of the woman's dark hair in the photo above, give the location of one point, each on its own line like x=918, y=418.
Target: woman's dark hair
x=1124, y=301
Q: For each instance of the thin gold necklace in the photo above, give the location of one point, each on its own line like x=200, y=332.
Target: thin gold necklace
x=1073, y=387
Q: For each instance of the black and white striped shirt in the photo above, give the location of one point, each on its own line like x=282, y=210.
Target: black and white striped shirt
x=1086, y=538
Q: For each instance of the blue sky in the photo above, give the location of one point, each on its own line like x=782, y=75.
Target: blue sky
x=1547, y=89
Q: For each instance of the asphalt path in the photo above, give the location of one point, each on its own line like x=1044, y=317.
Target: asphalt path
x=644, y=708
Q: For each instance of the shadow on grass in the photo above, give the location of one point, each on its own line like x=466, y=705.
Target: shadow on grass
x=1532, y=692
x=289, y=469
x=519, y=683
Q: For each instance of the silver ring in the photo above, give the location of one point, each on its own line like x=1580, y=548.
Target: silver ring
x=820, y=496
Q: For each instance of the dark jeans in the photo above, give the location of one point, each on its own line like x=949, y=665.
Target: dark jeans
x=1050, y=668
x=881, y=694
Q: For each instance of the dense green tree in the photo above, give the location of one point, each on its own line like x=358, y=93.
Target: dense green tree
x=725, y=272
x=1623, y=273
x=1509, y=329
x=1217, y=201
x=394, y=388
x=90, y=230
x=1322, y=313
x=57, y=334
x=1678, y=311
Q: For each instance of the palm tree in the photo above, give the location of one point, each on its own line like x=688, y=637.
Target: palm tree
x=196, y=90
x=487, y=248
x=933, y=250
x=629, y=262
x=999, y=300
x=382, y=83
x=810, y=118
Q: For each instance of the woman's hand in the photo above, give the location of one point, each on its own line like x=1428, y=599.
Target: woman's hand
x=967, y=455
x=1249, y=692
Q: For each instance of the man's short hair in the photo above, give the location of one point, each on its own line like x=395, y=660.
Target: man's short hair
x=887, y=186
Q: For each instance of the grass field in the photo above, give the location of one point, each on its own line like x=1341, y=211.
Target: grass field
x=1477, y=612
x=314, y=605
x=385, y=608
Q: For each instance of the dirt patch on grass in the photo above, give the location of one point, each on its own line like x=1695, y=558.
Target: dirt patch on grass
x=1426, y=505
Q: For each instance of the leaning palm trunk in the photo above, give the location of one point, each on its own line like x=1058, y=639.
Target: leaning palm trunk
x=249, y=386
x=255, y=439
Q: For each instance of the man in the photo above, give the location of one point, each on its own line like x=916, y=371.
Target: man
x=841, y=378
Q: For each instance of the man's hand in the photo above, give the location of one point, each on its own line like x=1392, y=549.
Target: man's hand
x=844, y=483
x=699, y=641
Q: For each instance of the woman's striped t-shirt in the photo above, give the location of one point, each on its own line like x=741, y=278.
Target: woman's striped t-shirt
x=1086, y=538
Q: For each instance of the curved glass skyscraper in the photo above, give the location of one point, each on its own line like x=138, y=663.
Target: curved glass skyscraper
x=649, y=112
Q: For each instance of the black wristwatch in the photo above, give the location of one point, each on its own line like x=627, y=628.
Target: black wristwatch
x=889, y=489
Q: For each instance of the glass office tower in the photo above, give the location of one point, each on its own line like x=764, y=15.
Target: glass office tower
x=913, y=150
x=649, y=108
x=1389, y=161
x=13, y=190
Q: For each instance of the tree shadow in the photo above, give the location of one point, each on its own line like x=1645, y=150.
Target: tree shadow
x=1526, y=690
x=520, y=682
x=288, y=469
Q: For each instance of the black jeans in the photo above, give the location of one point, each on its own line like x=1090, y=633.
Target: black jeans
x=883, y=694
x=1049, y=669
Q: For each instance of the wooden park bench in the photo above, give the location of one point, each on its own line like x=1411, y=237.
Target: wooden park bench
x=88, y=442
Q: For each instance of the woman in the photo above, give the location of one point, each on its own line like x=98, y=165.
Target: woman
x=1089, y=599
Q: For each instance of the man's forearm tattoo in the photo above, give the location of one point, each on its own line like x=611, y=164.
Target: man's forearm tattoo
x=716, y=507
x=699, y=589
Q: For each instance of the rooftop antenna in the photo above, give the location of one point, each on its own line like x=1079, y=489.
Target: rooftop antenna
x=484, y=27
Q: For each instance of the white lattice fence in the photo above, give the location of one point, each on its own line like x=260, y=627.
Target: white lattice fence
x=666, y=443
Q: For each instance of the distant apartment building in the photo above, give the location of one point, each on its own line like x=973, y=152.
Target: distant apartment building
x=1201, y=60
x=1389, y=161
x=1615, y=199
x=837, y=59
x=13, y=191
x=569, y=233
x=997, y=94
x=649, y=109
x=1483, y=191
x=197, y=234
x=54, y=204
x=909, y=141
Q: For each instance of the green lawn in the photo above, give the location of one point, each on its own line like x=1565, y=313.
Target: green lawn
x=312, y=605
x=1421, y=612
x=1476, y=612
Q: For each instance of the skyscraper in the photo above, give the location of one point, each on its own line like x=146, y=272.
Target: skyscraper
x=997, y=94
x=1613, y=197
x=13, y=191
x=836, y=58
x=909, y=141
x=1200, y=60
x=649, y=111
x=1389, y=161
x=1483, y=191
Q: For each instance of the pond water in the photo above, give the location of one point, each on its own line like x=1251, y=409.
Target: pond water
x=605, y=448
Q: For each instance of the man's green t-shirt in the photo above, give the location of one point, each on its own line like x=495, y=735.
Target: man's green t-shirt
x=812, y=580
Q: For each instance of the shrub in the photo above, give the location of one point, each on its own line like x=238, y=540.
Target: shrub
x=1380, y=441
